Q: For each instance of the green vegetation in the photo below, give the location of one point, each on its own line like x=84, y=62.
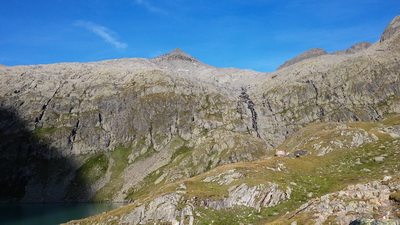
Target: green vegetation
x=119, y=157
x=41, y=132
x=233, y=216
x=146, y=187
x=150, y=151
x=182, y=150
x=94, y=168
x=91, y=171
x=176, y=142
x=214, y=116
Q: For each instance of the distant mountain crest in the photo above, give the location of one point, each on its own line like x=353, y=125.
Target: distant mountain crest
x=177, y=51
x=358, y=47
x=176, y=54
x=391, y=29
x=314, y=52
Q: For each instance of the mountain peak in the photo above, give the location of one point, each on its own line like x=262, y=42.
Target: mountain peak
x=177, y=51
x=391, y=29
x=176, y=54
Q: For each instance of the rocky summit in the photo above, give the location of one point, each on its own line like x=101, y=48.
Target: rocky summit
x=188, y=143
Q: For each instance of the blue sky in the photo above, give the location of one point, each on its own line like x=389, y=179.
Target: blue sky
x=246, y=34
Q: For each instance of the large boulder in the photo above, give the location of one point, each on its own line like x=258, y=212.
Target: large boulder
x=375, y=222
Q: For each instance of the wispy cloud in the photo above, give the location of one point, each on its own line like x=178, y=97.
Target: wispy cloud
x=103, y=32
x=149, y=6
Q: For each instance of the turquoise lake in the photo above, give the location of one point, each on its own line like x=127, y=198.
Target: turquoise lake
x=50, y=213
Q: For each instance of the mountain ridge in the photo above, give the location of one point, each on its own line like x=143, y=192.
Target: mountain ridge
x=127, y=127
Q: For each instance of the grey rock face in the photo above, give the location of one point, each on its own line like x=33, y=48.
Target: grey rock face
x=162, y=209
x=391, y=29
x=258, y=196
x=174, y=208
x=303, y=56
x=327, y=88
x=224, y=178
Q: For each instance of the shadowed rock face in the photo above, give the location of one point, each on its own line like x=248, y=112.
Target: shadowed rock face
x=29, y=172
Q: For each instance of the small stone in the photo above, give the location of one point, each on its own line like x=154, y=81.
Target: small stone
x=386, y=178
x=379, y=159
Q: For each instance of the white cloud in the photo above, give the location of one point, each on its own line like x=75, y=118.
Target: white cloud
x=103, y=32
x=149, y=6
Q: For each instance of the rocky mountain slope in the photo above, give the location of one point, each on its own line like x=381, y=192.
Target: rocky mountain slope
x=122, y=120
x=355, y=179
x=152, y=131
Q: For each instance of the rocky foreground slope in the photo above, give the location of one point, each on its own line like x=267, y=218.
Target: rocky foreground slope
x=132, y=129
x=352, y=181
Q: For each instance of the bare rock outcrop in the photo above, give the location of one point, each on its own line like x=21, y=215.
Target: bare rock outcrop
x=391, y=29
x=264, y=195
x=358, y=47
x=175, y=208
x=361, y=200
x=303, y=56
x=162, y=209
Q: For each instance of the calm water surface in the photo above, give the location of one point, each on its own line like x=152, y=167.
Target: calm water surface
x=50, y=213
